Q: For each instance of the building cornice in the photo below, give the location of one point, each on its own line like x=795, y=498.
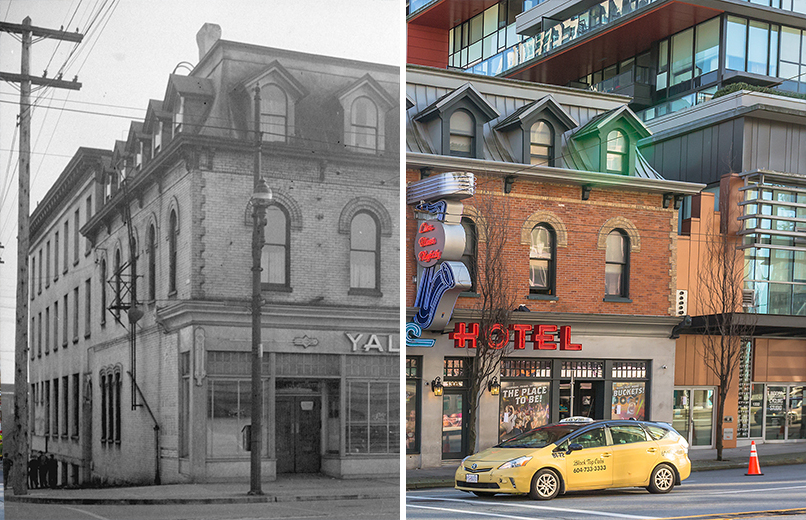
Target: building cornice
x=444, y=163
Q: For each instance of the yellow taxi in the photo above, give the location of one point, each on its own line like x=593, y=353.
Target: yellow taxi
x=579, y=453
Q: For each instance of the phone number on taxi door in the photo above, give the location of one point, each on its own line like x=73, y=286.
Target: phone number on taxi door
x=588, y=469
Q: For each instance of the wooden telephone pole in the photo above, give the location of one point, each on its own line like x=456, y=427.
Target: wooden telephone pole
x=19, y=430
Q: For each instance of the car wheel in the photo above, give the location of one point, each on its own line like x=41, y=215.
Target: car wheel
x=483, y=494
x=545, y=485
x=661, y=480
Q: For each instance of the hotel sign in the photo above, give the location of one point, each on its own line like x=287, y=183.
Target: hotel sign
x=539, y=337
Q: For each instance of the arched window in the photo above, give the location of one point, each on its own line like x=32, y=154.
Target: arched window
x=103, y=291
x=463, y=134
x=172, y=230
x=118, y=409
x=365, y=245
x=542, y=260
x=541, y=144
x=617, y=264
x=118, y=282
x=276, y=252
x=364, y=125
x=469, y=254
x=617, y=159
x=104, y=399
x=152, y=262
x=273, y=113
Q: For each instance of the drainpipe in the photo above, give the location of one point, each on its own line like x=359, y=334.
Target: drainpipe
x=157, y=480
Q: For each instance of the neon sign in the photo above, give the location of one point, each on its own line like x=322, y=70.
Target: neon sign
x=541, y=337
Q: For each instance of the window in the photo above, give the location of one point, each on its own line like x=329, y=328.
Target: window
x=229, y=403
x=75, y=315
x=273, y=114
x=152, y=263
x=75, y=237
x=276, y=252
x=56, y=407
x=87, y=243
x=682, y=59
x=76, y=404
x=364, y=125
x=617, y=264
x=542, y=260
x=413, y=378
x=541, y=148
x=627, y=434
x=118, y=409
x=87, y=308
x=616, y=158
x=47, y=408
x=373, y=416
x=470, y=252
x=65, y=405
x=463, y=132
x=184, y=404
x=172, y=231
x=118, y=283
x=47, y=264
x=103, y=291
x=595, y=438
x=39, y=274
x=32, y=285
x=55, y=325
x=157, y=136
x=66, y=243
x=364, y=253
x=65, y=314
x=56, y=256
x=104, y=399
x=47, y=330
x=179, y=115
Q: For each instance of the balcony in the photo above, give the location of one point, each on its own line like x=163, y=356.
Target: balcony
x=636, y=83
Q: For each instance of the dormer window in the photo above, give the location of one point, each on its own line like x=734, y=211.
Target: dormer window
x=541, y=144
x=158, y=138
x=463, y=134
x=364, y=123
x=138, y=157
x=273, y=114
x=179, y=115
x=617, y=158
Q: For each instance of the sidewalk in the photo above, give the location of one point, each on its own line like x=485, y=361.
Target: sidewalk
x=771, y=454
x=296, y=488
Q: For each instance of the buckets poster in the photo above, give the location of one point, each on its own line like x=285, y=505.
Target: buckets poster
x=523, y=406
x=629, y=401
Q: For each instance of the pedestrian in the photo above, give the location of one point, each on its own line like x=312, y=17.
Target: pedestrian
x=33, y=472
x=43, y=469
x=53, y=471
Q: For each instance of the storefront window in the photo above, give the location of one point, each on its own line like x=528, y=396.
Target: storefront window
x=373, y=418
x=413, y=404
x=230, y=405
x=757, y=410
x=629, y=400
x=775, y=423
x=524, y=405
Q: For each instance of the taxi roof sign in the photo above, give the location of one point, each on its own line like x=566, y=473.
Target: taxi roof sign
x=576, y=419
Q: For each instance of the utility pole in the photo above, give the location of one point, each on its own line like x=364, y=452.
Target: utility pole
x=19, y=429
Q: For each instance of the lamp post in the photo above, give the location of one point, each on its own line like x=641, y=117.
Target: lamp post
x=261, y=198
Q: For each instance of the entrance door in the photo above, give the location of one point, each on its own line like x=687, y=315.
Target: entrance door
x=795, y=427
x=694, y=415
x=585, y=400
x=298, y=426
x=454, y=427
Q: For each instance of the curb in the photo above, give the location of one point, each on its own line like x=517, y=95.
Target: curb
x=27, y=499
x=710, y=465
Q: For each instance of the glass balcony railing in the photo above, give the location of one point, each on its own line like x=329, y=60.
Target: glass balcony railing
x=598, y=16
x=642, y=75
x=415, y=5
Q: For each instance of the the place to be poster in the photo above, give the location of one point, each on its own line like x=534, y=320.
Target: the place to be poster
x=629, y=401
x=523, y=406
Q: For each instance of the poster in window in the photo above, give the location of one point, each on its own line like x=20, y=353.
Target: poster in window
x=523, y=406
x=411, y=416
x=629, y=401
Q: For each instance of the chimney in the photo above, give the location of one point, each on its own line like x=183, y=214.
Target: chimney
x=206, y=38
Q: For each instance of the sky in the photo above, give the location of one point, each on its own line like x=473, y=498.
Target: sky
x=129, y=49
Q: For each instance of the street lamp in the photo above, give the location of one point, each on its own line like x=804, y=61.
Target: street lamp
x=261, y=198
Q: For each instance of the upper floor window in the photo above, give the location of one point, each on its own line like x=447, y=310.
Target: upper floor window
x=541, y=148
x=364, y=252
x=118, y=282
x=617, y=159
x=617, y=264
x=469, y=254
x=157, y=137
x=173, y=228
x=103, y=291
x=152, y=262
x=276, y=251
x=542, y=260
x=179, y=115
x=364, y=124
x=273, y=114
x=463, y=134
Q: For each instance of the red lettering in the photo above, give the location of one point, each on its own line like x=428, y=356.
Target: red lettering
x=427, y=256
x=497, y=337
x=425, y=241
x=425, y=227
x=543, y=337
x=461, y=335
x=520, y=335
x=565, y=339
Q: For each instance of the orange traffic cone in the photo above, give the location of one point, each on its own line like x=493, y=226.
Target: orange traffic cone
x=753, y=468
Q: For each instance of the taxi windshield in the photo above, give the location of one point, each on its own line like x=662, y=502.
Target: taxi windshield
x=540, y=437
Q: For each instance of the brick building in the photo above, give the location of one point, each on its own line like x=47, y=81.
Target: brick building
x=591, y=257
x=166, y=216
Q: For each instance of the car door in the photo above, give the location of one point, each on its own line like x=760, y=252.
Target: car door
x=590, y=466
x=634, y=454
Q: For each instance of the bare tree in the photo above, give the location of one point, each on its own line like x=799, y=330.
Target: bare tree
x=726, y=329
x=496, y=292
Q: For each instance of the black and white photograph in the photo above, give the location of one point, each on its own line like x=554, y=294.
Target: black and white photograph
x=201, y=259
